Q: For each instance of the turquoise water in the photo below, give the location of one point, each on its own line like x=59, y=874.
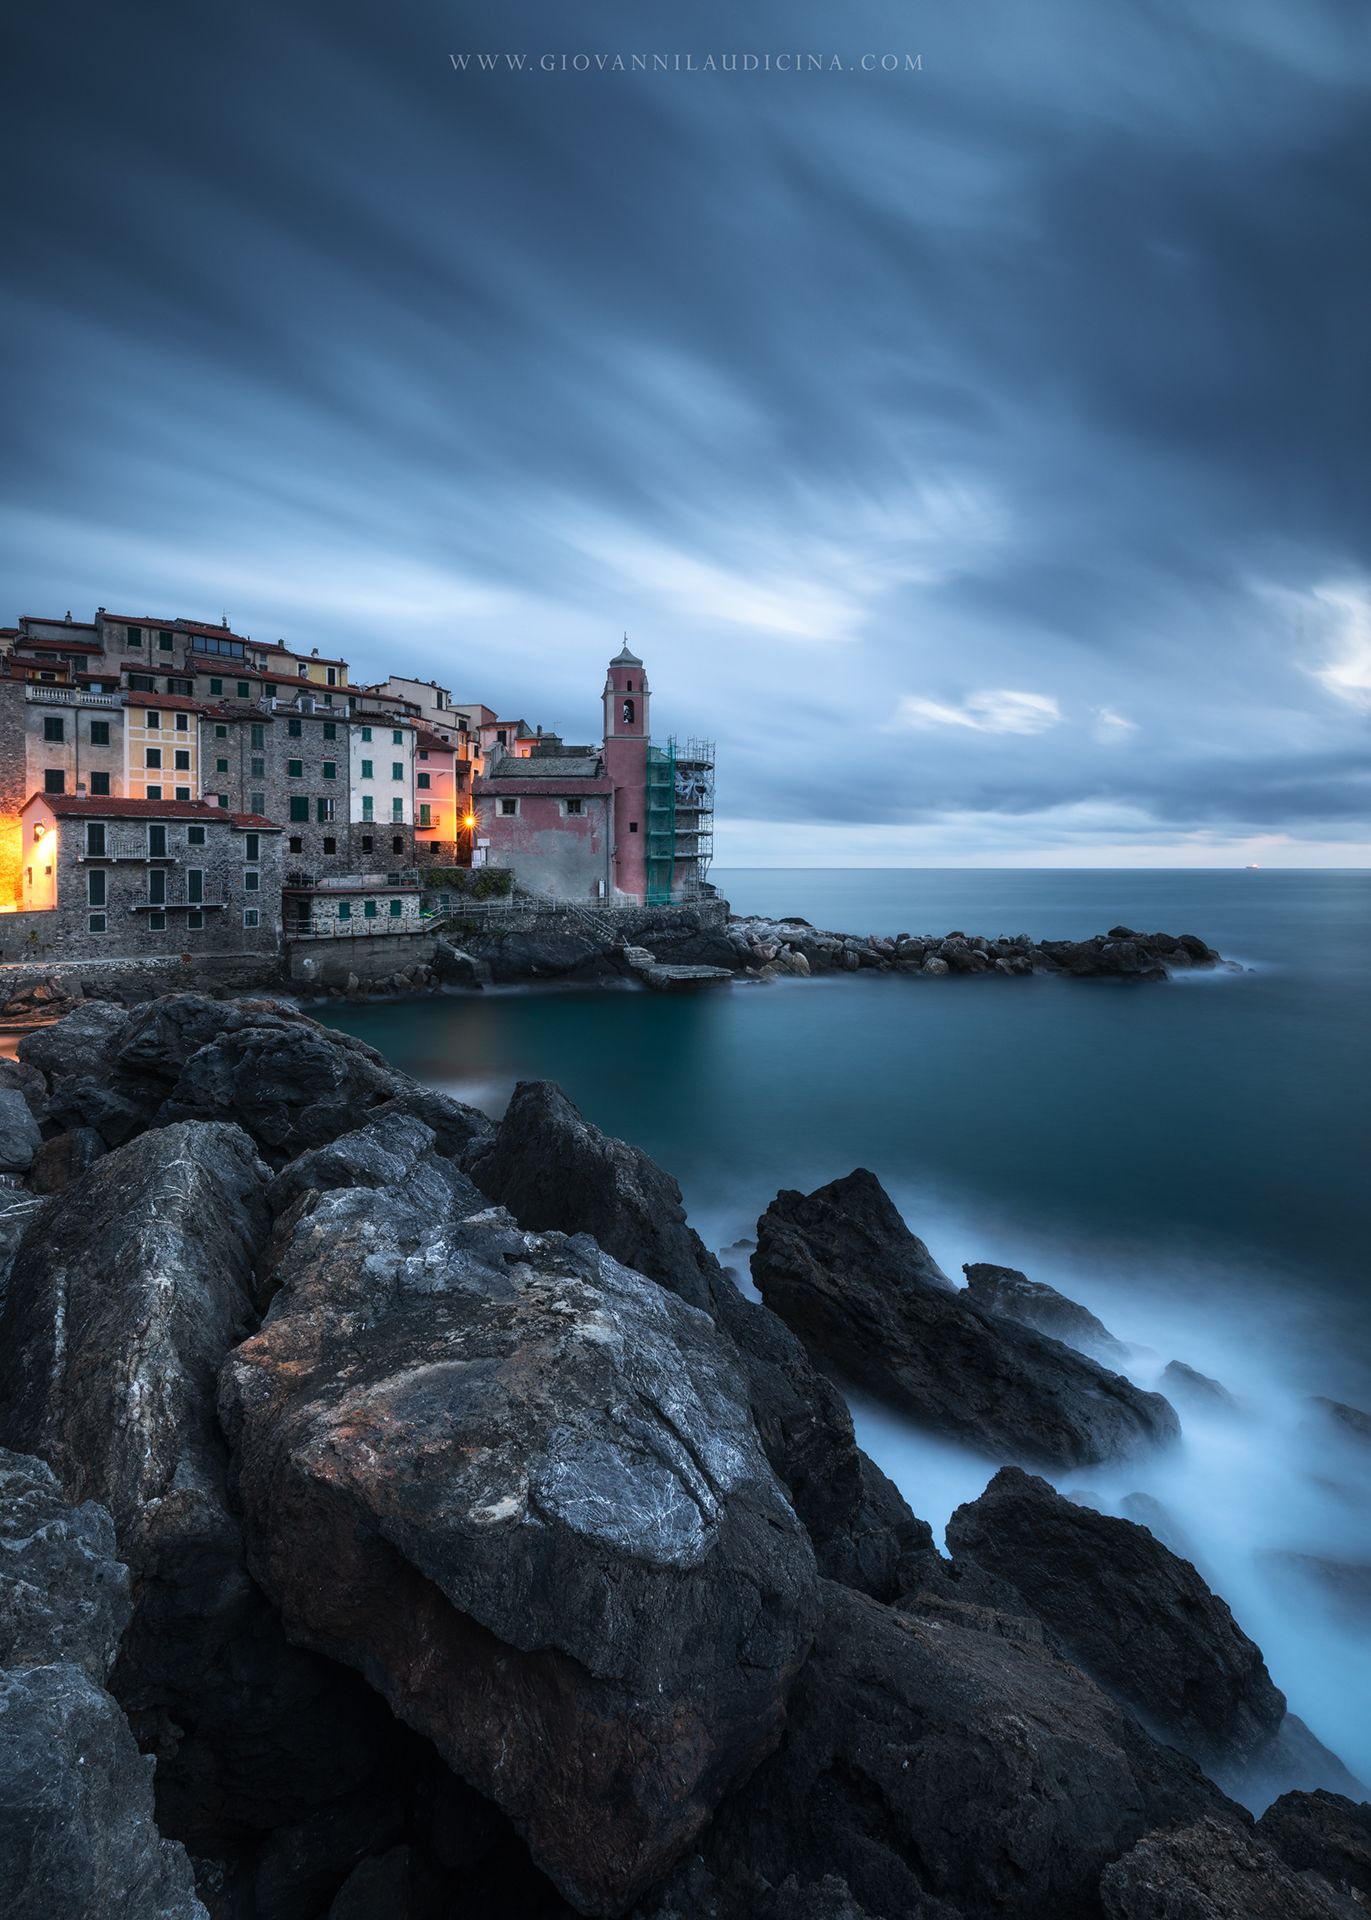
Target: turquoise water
x=1189, y=1159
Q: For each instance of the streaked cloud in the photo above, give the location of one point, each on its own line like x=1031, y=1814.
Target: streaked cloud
x=997, y=710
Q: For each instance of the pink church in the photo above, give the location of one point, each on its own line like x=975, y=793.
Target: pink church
x=624, y=821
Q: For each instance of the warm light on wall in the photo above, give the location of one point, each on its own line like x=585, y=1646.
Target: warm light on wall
x=469, y=820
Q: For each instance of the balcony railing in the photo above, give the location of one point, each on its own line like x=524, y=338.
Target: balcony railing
x=72, y=696
x=144, y=903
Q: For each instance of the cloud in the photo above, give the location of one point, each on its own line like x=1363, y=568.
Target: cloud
x=996, y=710
x=1345, y=668
x=1110, y=725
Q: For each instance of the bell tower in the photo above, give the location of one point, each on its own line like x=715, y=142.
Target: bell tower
x=626, y=698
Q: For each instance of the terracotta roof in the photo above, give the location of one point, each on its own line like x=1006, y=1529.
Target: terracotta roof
x=293, y=653
x=215, y=627
x=46, y=620
x=140, y=697
x=228, y=669
x=431, y=742
x=140, y=620
x=80, y=806
x=50, y=642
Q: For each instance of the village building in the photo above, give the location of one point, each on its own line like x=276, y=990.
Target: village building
x=381, y=792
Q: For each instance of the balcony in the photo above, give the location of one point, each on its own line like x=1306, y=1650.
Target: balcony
x=143, y=903
x=72, y=696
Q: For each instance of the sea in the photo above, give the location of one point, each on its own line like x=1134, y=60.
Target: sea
x=1189, y=1159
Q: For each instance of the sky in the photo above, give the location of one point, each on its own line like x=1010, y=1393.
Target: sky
x=970, y=432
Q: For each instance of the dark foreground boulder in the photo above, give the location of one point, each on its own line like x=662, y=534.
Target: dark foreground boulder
x=1323, y=1833
x=1136, y=1617
x=863, y=1294
x=77, y=1835
x=552, y=1539
x=936, y=1767
x=1213, y=1870
x=553, y=1169
x=1034, y=1304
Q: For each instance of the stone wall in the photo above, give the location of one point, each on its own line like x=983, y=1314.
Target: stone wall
x=330, y=963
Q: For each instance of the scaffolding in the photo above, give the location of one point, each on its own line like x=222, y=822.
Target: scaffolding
x=661, y=823
x=693, y=815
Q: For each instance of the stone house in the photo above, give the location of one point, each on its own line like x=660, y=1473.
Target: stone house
x=126, y=878
x=381, y=792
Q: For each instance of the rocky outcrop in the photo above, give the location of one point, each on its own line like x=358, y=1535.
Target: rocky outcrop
x=553, y=1169
x=387, y=1152
x=1351, y=1422
x=1196, y=1390
x=513, y=955
x=1323, y=1833
x=1120, y=954
x=1213, y=1870
x=937, y=1767
x=864, y=1295
x=1034, y=1304
x=554, y=1542
x=83, y=1042
x=77, y=1834
x=1136, y=1617
x=19, y=1135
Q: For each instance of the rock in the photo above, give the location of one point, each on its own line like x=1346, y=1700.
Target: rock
x=290, y=1086
x=1323, y=1833
x=1034, y=1304
x=1212, y=1870
x=1348, y=1420
x=638, y=959
x=63, y=1159
x=352, y=984
x=927, y=1761
x=115, y=1114
x=126, y=1295
x=162, y=1037
x=863, y=1294
x=18, y=1212
x=378, y=1886
x=20, y=1137
x=1146, y=1511
x=82, y=1043
x=77, y=1835
x=513, y=955
x=1344, y=1584
x=1138, y=1619
x=26, y=1079
x=386, y=1152
x=63, y=1594
x=553, y=1169
x=554, y=1541
x=1197, y=1389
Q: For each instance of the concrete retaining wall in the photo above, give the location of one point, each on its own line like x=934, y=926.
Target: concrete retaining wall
x=328, y=963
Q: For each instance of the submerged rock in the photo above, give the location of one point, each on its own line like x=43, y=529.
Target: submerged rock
x=1348, y=1420
x=1136, y=1617
x=554, y=1542
x=1197, y=1389
x=865, y=1296
x=1034, y=1304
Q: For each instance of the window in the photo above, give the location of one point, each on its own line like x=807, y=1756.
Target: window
x=99, y=783
x=99, y=733
x=397, y=845
x=220, y=766
x=135, y=636
x=330, y=730
x=397, y=809
x=302, y=670
x=243, y=689
x=252, y=880
x=53, y=727
x=299, y=806
x=157, y=842
x=257, y=739
x=366, y=733
x=369, y=909
x=95, y=839
x=252, y=846
x=425, y=781
x=367, y=843
x=257, y=803
x=423, y=753
x=96, y=922
x=221, y=733
x=216, y=686
x=628, y=713
x=367, y=806
x=157, y=923
x=184, y=687
x=195, y=884
x=54, y=780
x=397, y=769
x=330, y=845
x=153, y=721
x=142, y=683
x=258, y=768
x=396, y=909
x=223, y=801
x=296, y=843
x=164, y=639
x=183, y=793
x=95, y=887
x=332, y=675
x=251, y=917
x=366, y=769
x=183, y=723
x=397, y=737
x=574, y=807
x=330, y=769
x=425, y=814
x=323, y=811
x=182, y=759
x=195, y=836
x=152, y=793
x=294, y=729
x=345, y=909
x=157, y=886
x=296, y=769
x=195, y=918
x=633, y=826
x=152, y=756
x=509, y=808
x=328, y=699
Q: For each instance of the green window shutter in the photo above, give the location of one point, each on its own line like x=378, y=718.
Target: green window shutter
x=299, y=806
